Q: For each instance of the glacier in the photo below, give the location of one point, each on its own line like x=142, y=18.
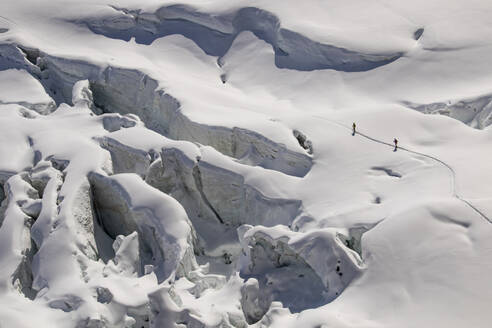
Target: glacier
x=193, y=164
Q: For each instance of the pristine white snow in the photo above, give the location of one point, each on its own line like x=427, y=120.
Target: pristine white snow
x=33, y=94
x=192, y=164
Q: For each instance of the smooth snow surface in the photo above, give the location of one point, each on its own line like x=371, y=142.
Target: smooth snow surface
x=192, y=164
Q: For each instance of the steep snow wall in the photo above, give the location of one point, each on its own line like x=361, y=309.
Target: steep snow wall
x=3, y=179
x=12, y=57
x=217, y=193
x=138, y=231
x=215, y=34
x=128, y=91
x=210, y=186
x=165, y=234
x=126, y=159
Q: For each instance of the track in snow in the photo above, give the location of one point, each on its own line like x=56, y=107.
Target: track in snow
x=451, y=170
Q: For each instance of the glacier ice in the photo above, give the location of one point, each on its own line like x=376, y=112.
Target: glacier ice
x=191, y=165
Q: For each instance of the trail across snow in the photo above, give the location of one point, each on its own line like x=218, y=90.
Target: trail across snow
x=452, y=172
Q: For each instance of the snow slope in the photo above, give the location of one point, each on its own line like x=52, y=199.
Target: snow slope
x=192, y=164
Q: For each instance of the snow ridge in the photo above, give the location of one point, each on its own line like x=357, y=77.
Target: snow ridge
x=216, y=33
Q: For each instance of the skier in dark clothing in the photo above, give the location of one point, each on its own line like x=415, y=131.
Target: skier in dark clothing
x=396, y=144
x=353, y=129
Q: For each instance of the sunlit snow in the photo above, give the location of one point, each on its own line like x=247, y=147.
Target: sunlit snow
x=195, y=164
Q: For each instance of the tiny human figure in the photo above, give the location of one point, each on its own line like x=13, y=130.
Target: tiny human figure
x=396, y=144
x=227, y=258
x=353, y=129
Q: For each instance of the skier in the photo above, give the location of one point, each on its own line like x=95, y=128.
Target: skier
x=396, y=144
x=353, y=129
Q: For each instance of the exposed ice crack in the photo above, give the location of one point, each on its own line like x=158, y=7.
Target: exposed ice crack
x=418, y=33
x=31, y=54
x=386, y=170
x=198, y=182
x=304, y=142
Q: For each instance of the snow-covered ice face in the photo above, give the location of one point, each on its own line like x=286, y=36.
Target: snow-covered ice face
x=232, y=164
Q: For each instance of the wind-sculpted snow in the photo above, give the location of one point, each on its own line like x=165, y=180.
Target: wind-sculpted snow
x=127, y=91
x=196, y=165
x=216, y=33
x=475, y=112
x=120, y=226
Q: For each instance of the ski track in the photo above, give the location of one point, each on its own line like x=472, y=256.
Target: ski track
x=450, y=169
